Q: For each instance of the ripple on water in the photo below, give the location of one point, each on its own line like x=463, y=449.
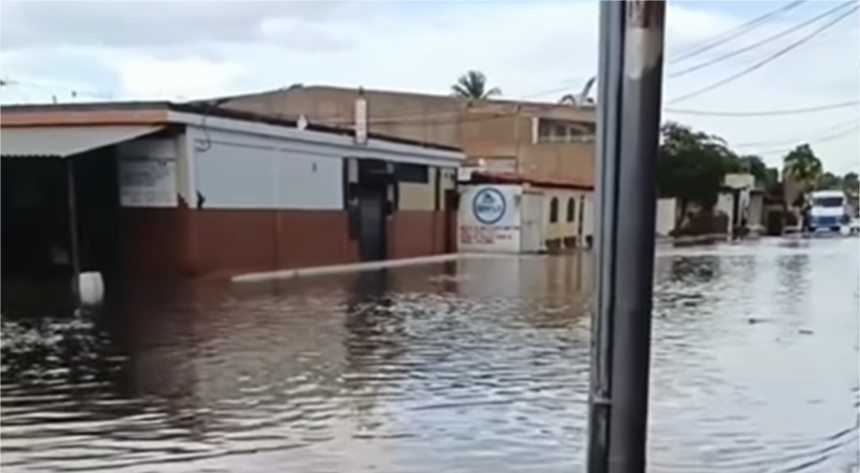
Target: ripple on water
x=754, y=369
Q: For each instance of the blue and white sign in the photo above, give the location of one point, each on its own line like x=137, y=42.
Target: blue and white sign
x=489, y=206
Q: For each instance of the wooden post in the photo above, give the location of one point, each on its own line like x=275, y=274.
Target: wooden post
x=73, y=228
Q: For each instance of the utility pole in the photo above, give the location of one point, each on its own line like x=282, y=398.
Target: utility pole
x=628, y=109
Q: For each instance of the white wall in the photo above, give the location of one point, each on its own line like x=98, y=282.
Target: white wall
x=589, y=217
x=739, y=181
x=148, y=174
x=666, y=216
x=489, y=218
x=242, y=171
x=532, y=225
x=726, y=204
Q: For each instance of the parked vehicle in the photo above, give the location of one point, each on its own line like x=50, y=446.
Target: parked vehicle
x=828, y=211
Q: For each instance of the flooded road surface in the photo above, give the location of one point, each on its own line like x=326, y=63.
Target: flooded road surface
x=479, y=366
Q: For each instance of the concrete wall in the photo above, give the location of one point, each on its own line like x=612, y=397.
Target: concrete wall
x=667, y=216
x=568, y=230
x=739, y=181
x=235, y=171
x=574, y=219
x=418, y=196
x=247, y=200
x=490, y=130
x=489, y=218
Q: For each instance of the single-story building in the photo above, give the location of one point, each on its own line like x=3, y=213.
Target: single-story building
x=165, y=191
x=508, y=213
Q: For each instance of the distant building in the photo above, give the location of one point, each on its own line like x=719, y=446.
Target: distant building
x=535, y=140
x=166, y=191
x=506, y=213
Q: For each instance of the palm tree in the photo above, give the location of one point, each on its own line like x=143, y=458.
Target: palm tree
x=803, y=166
x=473, y=86
x=582, y=97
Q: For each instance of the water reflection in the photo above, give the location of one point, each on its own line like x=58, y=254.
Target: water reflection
x=755, y=369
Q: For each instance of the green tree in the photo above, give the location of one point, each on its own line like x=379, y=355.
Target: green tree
x=801, y=165
x=829, y=181
x=850, y=183
x=752, y=164
x=692, y=166
x=473, y=86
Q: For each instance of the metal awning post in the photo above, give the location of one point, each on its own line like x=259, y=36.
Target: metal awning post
x=73, y=229
x=629, y=101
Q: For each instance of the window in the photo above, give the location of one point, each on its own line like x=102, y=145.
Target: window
x=571, y=210
x=563, y=131
x=407, y=172
x=827, y=202
x=553, y=210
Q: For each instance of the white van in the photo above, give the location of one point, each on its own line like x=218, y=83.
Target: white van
x=828, y=210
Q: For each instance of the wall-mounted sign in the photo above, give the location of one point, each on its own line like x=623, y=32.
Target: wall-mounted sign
x=489, y=206
x=147, y=181
x=481, y=235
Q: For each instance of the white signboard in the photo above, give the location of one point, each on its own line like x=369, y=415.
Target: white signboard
x=147, y=181
x=490, y=218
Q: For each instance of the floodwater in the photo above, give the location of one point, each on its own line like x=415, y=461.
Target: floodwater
x=479, y=366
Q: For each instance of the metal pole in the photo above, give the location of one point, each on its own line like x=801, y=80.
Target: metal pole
x=608, y=136
x=629, y=117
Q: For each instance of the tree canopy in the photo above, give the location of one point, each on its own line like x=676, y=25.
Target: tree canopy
x=803, y=166
x=473, y=85
x=692, y=165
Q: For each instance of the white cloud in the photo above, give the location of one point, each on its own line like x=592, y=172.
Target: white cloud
x=178, y=79
x=529, y=49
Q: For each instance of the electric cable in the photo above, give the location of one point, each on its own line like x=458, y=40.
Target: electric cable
x=820, y=132
x=764, y=113
x=735, y=32
x=762, y=42
x=769, y=59
x=823, y=139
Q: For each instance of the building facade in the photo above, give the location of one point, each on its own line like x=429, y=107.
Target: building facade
x=507, y=214
x=165, y=191
x=536, y=140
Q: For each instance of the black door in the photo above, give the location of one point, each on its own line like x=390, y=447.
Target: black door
x=371, y=225
x=452, y=203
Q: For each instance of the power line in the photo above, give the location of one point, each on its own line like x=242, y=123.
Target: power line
x=783, y=147
x=764, y=113
x=735, y=32
x=762, y=42
x=768, y=59
x=827, y=131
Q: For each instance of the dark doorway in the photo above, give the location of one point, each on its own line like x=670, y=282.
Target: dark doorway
x=34, y=219
x=372, y=234
x=97, y=206
x=452, y=205
x=36, y=248
x=59, y=217
x=775, y=222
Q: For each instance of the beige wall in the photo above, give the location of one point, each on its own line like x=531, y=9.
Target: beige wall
x=415, y=196
x=497, y=129
x=564, y=228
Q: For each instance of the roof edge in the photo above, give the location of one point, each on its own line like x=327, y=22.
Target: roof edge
x=485, y=177
x=158, y=113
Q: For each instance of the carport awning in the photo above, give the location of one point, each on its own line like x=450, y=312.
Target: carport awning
x=65, y=141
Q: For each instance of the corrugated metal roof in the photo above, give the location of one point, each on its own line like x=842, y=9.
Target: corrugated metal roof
x=65, y=141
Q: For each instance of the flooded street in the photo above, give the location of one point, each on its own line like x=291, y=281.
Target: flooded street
x=479, y=366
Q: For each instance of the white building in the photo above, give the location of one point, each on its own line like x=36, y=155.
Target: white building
x=500, y=213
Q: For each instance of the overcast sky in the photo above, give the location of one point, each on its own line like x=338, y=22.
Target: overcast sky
x=531, y=49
